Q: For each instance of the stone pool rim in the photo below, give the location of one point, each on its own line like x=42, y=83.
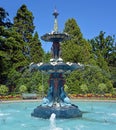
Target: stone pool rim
x=75, y=100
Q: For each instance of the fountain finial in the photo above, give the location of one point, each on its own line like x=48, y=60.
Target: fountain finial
x=55, y=21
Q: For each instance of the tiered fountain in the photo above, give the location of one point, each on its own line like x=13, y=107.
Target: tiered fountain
x=56, y=100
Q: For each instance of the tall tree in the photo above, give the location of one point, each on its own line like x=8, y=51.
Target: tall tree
x=77, y=49
x=13, y=58
x=31, y=49
x=5, y=25
x=23, y=22
x=105, y=45
x=36, y=51
x=104, y=49
x=4, y=20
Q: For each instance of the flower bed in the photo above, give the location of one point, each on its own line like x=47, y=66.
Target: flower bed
x=90, y=95
x=10, y=97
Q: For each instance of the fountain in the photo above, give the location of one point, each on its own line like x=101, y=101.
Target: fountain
x=56, y=101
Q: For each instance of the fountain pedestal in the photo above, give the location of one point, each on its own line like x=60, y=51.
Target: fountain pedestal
x=56, y=100
x=61, y=112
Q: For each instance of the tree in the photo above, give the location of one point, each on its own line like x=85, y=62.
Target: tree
x=23, y=23
x=36, y=51
x=15, y=61
x=104, y=49
x=73, y=30
x=31, y=49
x=5, y=26
x=11, y=56
x=4, y=20
x=14, y=47
x=75, y=50
x=105, y=46
x=47, y=57
x=78, y=49
x=3, y=90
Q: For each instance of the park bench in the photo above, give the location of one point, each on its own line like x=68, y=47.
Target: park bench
x=29, y=95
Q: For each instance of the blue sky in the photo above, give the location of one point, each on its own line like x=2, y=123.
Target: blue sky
x=92, y=16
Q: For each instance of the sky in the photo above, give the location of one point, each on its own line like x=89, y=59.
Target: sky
x=92, y=16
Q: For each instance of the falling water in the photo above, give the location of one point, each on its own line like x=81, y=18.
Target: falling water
x=52, y=123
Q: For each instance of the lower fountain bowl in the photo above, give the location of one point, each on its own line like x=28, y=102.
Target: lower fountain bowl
x=61, y=112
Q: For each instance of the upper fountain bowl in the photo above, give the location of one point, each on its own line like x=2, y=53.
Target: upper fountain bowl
x=55, y=37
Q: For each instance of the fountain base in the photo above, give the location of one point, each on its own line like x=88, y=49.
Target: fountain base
x=61, y=112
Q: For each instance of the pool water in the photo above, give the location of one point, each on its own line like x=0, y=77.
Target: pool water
x=96, y=116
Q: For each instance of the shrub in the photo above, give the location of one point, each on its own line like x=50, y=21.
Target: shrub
x=3, y=90
x=84, y=88
x=102, y=88
x=22, y=89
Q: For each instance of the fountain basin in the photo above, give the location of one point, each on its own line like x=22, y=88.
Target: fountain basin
x=60, y=112
x=97, y=115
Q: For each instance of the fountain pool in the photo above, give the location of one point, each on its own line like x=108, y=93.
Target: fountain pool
x=97, y=115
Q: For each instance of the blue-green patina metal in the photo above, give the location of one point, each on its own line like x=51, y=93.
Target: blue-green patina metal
x=56, y=100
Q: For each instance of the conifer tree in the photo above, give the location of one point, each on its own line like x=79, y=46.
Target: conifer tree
x=36, y=51
x=105, y=46
x=31, y=49
x=4, y=20
x=78, y=49
x=23, y=23
x=5, y=25
x=104, y=49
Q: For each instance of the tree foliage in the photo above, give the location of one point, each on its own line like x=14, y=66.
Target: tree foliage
x=104, y=49
x=17, y=47
x=77, y=49
x=22, y=89
x=3, y=90
x=105, y=46
x=20, y=45
x=4, y=20
x=36, y=51
x=23, y=21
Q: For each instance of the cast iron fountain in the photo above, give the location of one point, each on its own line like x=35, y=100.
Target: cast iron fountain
x=56, y=100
